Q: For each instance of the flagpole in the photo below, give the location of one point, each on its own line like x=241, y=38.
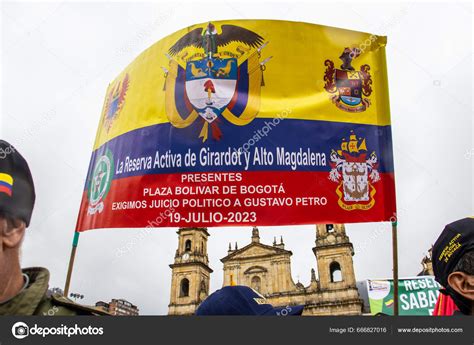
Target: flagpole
x=395, y=268
x=71, y=263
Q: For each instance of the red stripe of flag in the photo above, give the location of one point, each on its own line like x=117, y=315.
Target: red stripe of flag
x=5, y=189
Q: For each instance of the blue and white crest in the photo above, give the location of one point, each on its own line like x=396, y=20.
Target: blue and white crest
x=210, y=85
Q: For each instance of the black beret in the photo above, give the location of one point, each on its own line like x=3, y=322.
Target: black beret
x=17, y=191
x=456, y=239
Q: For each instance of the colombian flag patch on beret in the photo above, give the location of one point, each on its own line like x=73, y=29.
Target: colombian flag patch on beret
x=6, y=184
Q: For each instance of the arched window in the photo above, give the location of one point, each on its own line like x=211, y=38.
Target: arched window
x=187, y=246
x=335, y=271
x=329, y=228
x=256, y=283
x=184, y=288
x=203, y=288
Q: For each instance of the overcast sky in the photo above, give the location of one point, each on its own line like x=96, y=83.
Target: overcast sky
x=58, y=58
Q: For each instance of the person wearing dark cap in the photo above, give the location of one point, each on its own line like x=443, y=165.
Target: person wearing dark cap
x=23, y=292
x=242, y=300
x=453, y=263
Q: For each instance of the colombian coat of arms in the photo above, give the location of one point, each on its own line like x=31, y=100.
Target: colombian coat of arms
x=214, y=74
x=356, y=172
x=350, y=88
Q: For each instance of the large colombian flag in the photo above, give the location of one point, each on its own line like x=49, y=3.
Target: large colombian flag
x=245, y=122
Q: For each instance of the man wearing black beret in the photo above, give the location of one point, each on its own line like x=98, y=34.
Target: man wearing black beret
x=23, y=292
x=453, y=263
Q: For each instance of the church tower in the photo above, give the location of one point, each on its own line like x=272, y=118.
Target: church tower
x=190, y=272
x=334, y=253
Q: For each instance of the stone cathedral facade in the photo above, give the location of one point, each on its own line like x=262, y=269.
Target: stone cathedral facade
x=267, y=269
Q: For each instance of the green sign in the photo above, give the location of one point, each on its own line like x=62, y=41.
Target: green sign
x=417, y=296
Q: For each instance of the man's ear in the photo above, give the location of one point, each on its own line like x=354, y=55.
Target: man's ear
x=463, y=284
x=12, y=233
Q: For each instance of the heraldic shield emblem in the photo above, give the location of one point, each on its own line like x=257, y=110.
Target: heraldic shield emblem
x=115, y=101
x=100, y=182
x=348, y=85
x=356, y=172
x=214, y=75
x=210, y=85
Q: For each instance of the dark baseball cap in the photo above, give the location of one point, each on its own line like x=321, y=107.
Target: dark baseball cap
x=456, y=239
x=242, y=300
x=17, y=191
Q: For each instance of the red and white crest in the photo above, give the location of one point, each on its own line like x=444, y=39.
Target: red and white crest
x=356, y=172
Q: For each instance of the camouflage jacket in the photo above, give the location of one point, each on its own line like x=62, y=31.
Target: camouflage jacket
x=33, y=300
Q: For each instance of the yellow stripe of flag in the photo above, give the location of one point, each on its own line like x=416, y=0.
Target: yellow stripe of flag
x=6, y=178
x=294, y=76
